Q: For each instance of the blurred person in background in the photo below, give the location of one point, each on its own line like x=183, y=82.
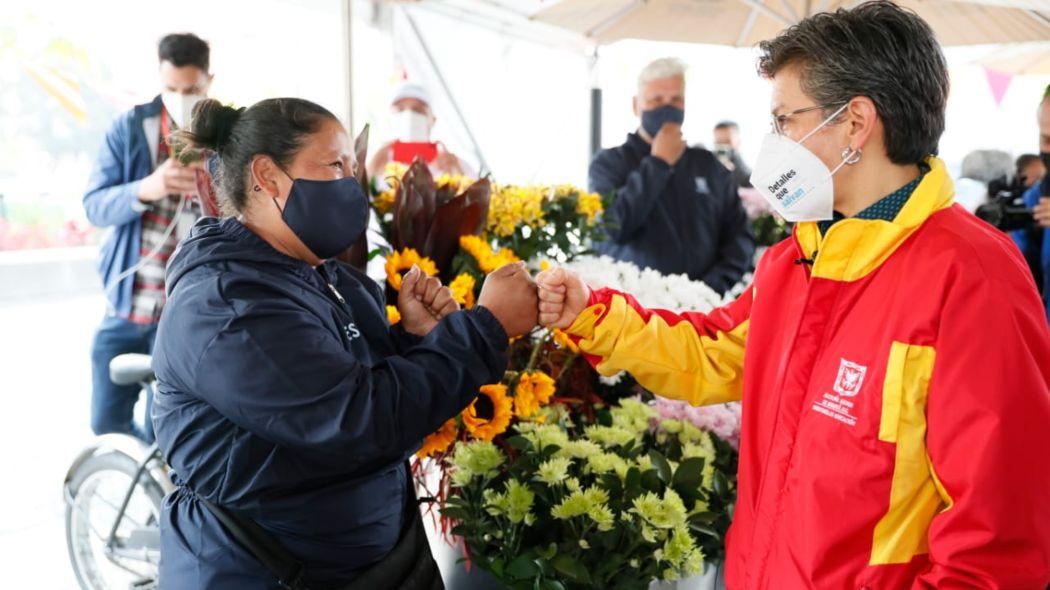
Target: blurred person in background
x=1030, y=169
x=727, y=148
x=413, y=120
x=1035, y=244
x=979, y=169
x=148, y=201
x=676, y=208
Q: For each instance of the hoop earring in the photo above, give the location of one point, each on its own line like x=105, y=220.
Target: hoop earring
x=851, y=156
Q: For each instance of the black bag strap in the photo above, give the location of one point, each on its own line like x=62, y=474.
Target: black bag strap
x=283, y=565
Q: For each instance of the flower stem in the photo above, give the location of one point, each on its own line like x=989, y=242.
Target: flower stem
x=535, y=357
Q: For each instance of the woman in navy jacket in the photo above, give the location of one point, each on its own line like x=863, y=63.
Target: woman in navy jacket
x=284, y=395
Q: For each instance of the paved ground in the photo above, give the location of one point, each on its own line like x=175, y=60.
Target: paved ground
x=45, y=387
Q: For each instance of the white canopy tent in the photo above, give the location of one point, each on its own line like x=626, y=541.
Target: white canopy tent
x=743, y=23
x=582, y=27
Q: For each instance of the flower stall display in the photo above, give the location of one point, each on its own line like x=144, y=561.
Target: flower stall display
x=555, y=477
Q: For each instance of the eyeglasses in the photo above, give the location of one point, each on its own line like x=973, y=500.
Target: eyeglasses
x=779, y=120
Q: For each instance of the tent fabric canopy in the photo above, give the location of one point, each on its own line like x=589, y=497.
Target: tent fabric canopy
x=1023, y=59
x=744, y=23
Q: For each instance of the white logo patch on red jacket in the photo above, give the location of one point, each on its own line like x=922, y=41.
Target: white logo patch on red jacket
x=847, y=384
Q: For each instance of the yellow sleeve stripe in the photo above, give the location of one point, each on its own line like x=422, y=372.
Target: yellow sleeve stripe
x=672, y=361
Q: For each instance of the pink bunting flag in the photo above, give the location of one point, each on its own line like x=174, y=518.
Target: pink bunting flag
x=998, y=82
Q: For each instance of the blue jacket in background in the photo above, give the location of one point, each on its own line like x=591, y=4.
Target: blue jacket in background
x=113, y=188
x=1030, y=248
x=685, y=219
x=277, y=401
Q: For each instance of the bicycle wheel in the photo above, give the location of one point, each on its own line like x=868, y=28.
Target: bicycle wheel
x=97, y=490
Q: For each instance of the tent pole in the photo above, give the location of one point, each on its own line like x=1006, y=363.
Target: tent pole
x=483, y=165
x=348, y=63
x=596, y=105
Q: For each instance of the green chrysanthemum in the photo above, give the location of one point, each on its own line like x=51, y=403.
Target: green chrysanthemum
x=666, y=513
x=633, y=415
x=580, y=449
x=475, y=459
x=544, y=435
x=579, y=502
x=606, y=462
x=554, y=471
x=610, y=436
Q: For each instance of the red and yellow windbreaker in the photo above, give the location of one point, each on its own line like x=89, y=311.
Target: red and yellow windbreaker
x=896, y=402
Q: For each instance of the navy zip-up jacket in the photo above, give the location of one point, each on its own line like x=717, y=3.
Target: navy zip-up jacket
x=685, y=219
x=279, y=401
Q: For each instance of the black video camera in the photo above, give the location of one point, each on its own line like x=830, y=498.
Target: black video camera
x=1005, y=208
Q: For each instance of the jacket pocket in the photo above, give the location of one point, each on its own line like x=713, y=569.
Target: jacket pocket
x=915, y=494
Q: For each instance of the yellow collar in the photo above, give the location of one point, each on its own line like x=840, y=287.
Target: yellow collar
x=853, y=248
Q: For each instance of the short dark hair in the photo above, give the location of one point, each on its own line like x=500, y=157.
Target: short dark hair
x=878, y=50
x=727, y=125
x=184, y=49
x=275, y=127
x=1024, y=161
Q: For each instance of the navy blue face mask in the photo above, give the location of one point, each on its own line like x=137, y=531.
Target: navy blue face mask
x=653, y=121
x=327, y=215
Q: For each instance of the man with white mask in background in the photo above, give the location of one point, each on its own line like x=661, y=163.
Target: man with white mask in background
x=412, y=125
x=148, y=200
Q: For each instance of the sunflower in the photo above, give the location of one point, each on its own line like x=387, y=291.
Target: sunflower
x=392, y=314
x=401, y=261
x=534, y=390
x=463, y=290
x=489, y=415
x=441, y=440
x=488, y=260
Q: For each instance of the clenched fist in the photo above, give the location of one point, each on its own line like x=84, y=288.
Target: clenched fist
x=423, y=301
x=563, y=297
x=510, y=294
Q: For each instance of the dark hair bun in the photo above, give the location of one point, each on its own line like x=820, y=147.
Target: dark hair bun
x=212, y=126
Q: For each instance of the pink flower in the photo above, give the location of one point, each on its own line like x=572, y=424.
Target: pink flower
x=722, y=420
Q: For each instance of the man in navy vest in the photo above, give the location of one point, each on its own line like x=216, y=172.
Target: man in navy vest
x=676, y=209
x=148, y=201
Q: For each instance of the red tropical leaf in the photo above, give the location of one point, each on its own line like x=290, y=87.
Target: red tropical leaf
x=457, y=217
x=414, y=207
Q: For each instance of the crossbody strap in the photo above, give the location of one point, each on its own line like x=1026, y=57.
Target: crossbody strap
x=283, y=565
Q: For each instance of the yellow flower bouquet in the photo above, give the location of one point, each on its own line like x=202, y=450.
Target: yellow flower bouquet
x=542, y=465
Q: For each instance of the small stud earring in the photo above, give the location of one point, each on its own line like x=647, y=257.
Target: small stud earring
x=851, y=156
x=256, y=188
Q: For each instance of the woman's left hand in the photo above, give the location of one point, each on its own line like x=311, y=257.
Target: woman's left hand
x=423, y=301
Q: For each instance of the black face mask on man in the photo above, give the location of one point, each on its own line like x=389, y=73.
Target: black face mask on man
x=328, y=216
x=653, y=120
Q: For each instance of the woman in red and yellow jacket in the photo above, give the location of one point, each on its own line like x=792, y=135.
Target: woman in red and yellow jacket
x=892, y=356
